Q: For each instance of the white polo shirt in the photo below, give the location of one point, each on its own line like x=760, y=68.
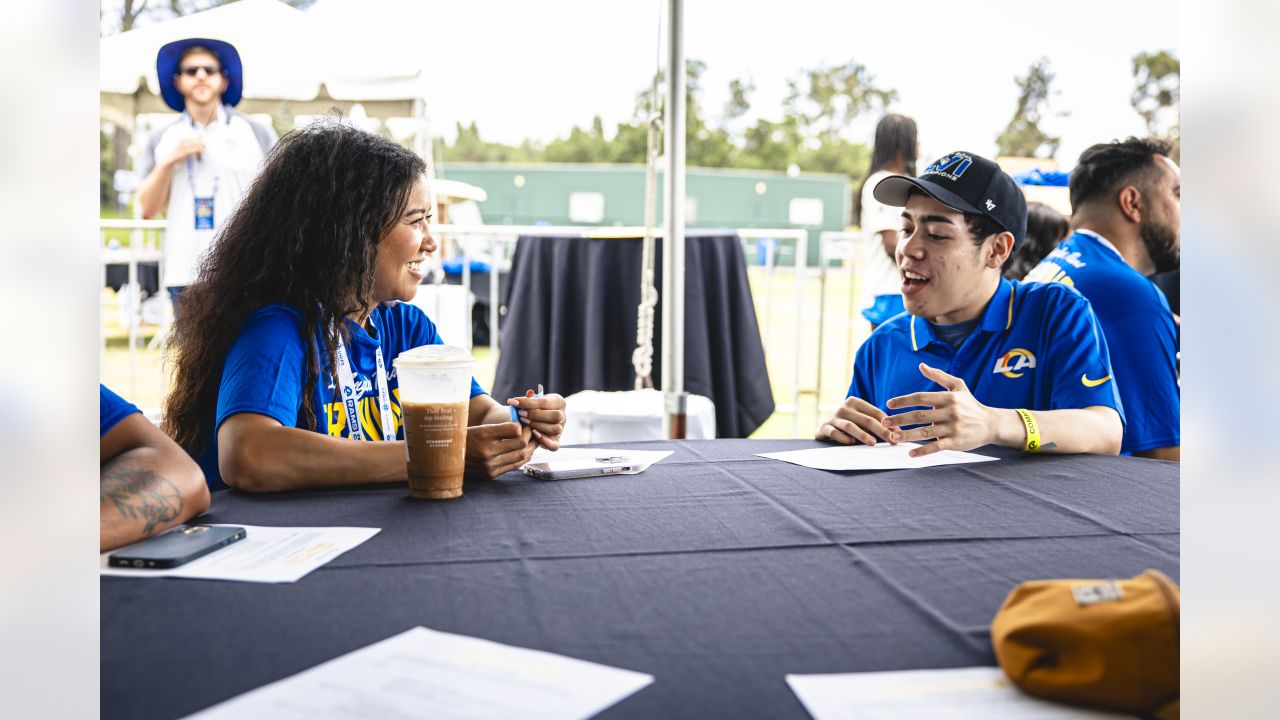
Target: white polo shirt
x=234, y=150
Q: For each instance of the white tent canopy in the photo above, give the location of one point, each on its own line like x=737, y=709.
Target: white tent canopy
x=294, y=61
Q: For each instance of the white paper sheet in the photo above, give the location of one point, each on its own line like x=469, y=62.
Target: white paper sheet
x=423, y=673
x=873, y=457
x=976, y=693
x=265, y=555
x=640, y=459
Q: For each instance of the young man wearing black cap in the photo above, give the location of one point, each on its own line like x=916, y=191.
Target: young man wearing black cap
x=197, y=167
x=977, y=359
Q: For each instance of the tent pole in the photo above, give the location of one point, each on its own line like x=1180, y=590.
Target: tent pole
x=421, y=139
x=673, y=265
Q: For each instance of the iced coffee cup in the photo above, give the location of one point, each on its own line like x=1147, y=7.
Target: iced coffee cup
x=435, y=391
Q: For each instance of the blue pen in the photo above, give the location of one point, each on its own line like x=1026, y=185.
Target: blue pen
x=515, y=415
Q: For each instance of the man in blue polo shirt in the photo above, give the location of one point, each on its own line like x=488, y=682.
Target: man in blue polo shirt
x=1125, y=209
x=977, y=359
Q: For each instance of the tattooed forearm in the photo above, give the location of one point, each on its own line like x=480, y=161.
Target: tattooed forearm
x=140, y=494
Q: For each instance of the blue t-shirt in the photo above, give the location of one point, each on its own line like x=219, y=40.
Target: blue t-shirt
x=111, y=410
x=1140, y=331
x=1037, y=347
x=265, y=371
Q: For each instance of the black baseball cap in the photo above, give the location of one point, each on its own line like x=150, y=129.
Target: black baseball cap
x=965, y=182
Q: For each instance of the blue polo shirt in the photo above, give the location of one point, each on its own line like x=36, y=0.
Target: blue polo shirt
x=111, y=410
x=1037, y=347
x=1140, y=331
x=265, y=373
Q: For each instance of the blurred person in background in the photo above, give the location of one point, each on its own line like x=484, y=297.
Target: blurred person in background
x=976, y=359
x=303, y=300
x=1046, y=228
x=147, y=484
x=197, y=167
x=894, y=153
x=1125, y=200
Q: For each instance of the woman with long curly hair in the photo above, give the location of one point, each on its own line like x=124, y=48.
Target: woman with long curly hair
x=322, y=254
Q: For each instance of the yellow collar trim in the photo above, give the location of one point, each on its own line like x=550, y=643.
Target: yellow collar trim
x=1009, y=323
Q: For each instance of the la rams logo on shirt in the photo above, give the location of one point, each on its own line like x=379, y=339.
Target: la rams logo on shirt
x=1014, y=363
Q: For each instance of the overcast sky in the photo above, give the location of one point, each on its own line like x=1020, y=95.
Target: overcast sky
x=535, y=69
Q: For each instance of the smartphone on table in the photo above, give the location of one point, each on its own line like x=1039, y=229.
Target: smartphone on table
x=176, y=546
x=579, y=467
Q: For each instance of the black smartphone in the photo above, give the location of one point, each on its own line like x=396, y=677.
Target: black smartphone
x=176, y=546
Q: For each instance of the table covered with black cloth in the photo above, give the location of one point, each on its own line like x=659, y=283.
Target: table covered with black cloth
x=715, y=571
x=571, y=323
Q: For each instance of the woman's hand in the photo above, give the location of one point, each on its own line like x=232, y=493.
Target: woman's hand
x=545, y=416
x=496, y=449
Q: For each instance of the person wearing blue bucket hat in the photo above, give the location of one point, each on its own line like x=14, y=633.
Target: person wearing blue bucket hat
x=197, y=167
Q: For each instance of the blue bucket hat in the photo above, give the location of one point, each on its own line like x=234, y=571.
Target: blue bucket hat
x=167, y=66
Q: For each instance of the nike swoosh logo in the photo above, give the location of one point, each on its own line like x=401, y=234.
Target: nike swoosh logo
x=1084, y=379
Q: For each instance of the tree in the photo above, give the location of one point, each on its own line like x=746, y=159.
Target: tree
x=737, y=106
x=467, y=146
x=582, y=145
x=770, y=145
x=106, y=161
x=826, y=100
x=1156, y=94
x=630, y=143
x=1023, y=137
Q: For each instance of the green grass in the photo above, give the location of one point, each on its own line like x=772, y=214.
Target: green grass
x=842, y=332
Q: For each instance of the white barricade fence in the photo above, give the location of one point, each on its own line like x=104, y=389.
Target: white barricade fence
x=145, y=245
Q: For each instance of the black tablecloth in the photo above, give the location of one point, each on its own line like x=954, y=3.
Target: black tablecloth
x=715, y=571
x=571, y=323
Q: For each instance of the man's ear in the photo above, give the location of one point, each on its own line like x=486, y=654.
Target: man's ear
x=1130, y=203
x=1000, y=250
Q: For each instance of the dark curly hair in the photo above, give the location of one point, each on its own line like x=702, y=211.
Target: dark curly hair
x=306, y=235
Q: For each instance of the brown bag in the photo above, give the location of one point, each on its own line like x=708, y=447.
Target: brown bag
x=1109, y=644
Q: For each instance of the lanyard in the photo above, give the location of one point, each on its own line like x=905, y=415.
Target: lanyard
x=191, y=179
x=347, y=379
x=191, y=170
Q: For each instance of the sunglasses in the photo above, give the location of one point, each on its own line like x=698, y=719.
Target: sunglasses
x=193, y=70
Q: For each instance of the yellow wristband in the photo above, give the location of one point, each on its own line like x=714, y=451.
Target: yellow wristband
x=1033, y=430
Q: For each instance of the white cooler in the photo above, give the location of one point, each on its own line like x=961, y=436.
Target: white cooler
x=633, y=415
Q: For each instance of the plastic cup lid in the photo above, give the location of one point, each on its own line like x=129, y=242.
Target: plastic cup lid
x=434, y=356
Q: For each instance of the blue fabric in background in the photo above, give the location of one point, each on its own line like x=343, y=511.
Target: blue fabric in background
x=885, y=307
x=453, y=266
x=1036, y=176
